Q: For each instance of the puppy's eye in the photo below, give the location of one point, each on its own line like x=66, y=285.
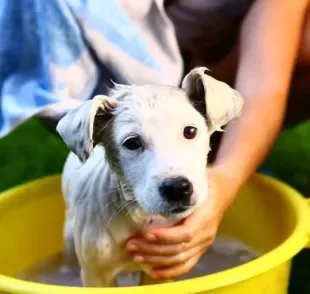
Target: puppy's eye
x=132, y=143
x=189, y=132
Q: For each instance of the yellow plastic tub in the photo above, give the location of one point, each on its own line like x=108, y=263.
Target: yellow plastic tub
x=268, y=215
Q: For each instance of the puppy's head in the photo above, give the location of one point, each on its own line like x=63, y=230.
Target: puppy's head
x=156, y=138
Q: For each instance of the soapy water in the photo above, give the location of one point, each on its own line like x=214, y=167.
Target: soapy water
x=225, y=253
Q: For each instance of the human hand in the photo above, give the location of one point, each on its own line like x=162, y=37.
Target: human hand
x=174, y=251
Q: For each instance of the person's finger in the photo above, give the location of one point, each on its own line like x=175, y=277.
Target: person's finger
x=160, y=261
x=201, y=216
x=173, y=235
x=203, y=238
x=164, y=239
x=185, y=231
x=169, y=273
x=144, y=248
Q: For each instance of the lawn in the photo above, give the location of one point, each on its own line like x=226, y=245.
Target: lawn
x=31, y=152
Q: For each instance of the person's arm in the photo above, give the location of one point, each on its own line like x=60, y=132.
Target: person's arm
x=269, y=44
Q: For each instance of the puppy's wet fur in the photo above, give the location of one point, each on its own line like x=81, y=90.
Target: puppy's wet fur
x=138, y=159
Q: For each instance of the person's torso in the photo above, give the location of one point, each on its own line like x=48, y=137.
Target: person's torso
x=213, y=24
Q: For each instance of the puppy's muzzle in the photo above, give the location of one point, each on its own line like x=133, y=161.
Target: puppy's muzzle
x=177, y=192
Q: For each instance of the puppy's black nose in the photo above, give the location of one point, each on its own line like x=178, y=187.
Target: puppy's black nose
x=176, y=190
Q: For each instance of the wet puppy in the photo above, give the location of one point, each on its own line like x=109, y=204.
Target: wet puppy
x=138, y=159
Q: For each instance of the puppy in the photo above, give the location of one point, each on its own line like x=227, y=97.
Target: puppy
x=138, y=159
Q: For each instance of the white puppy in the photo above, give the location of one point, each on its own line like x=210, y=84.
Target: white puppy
x=138, y=159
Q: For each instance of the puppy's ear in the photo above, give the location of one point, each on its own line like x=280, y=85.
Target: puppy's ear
x=215, y=100
x=81, y=128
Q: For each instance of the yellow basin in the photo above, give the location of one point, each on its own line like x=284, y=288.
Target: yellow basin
x=268, y=215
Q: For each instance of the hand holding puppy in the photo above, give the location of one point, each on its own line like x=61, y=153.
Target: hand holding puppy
x=174, y=251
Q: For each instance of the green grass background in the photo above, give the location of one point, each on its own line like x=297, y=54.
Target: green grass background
x=31, y=152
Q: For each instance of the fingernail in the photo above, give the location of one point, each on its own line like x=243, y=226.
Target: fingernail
x=150, y=237
x=132, y=247
x=138, y=258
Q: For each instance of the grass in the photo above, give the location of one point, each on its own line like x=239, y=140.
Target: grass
x=290, y=158
x=31, y=152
